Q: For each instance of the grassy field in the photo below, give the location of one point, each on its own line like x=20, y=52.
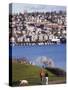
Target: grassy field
x=30, y=73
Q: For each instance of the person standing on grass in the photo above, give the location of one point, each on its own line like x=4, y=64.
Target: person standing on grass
x=46, y=78
x=42, y=75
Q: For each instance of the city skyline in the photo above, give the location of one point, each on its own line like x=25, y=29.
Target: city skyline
x=21, y=7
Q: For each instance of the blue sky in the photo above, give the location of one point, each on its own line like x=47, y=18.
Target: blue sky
x=55, y=52
x=20, y=7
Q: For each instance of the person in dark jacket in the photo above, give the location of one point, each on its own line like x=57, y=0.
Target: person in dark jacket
x=46, y=78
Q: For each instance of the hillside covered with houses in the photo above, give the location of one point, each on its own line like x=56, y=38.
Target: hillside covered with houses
x=30, y=28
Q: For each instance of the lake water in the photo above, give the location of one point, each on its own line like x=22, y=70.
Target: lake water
x=55, y=52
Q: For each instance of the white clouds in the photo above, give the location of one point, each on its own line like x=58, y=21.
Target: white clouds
x=46, y=61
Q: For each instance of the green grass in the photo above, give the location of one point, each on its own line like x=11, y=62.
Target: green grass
x=30, y=73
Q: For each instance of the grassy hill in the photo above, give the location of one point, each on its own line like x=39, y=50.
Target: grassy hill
x=30, y=73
